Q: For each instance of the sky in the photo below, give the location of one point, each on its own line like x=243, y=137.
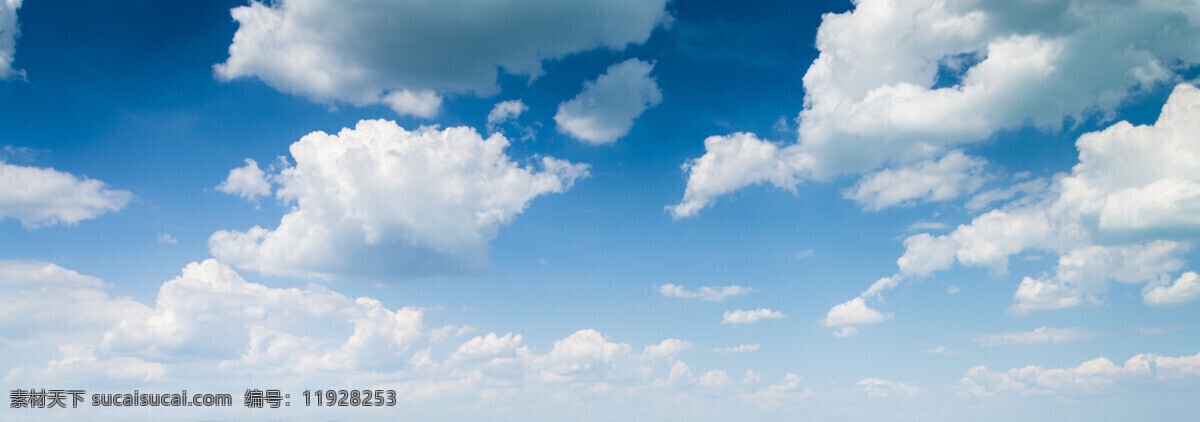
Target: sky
x=649, y=210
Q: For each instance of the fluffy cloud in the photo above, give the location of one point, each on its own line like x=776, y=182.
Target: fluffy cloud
x=1091, y=376
x=504, y=111
x=711, y=294
x=1185, y=289
x=1042, y=335
x=930, y=180
x=878, y=388
x=604, y=111
x=729, y=163
x=385, y=202
x=43, y=196
x=1136, y=188
x=247, y=181
x=898, y=82
x=750, y=316
x=854, y=312
x=208, y=325
x=378, y=52
x=9, y=30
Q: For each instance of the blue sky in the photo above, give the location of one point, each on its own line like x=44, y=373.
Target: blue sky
x=646, y=210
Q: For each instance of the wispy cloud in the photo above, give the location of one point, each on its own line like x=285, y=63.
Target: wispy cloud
x=711, y=294
x=1042, y=335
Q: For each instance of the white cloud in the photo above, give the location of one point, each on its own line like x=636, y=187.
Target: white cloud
x=775, y=394
x=209, y=325
x=668, y=348
x=729, y=163
x=750, y=316
x=1043, y=335
x=1091, y=376
x=1121, y=214
x=940, y=351
x=1185, y=289
x=854, y=312
x=248, y=182
x=604, y=111
x=41, y=197
x=375, y=52
x=878, y=388
x=9, y=31
x=930, y=180
x=385, y=202
x=166, y=239
x=804, y=254
x=873, y=97
x=504, y=111
x=711, y=294
x=741, y=348
x=879, y=286
x=952, y=290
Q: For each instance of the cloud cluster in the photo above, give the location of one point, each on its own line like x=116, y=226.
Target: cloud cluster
x=407, y=55
x=378, y=200
x=604, y=111
x=9, y=30
x=40, y=197
x=209, y=325
x=1125, y=213
x=1091, y=376
x=901, y=82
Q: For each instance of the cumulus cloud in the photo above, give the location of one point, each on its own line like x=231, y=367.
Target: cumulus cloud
x=9, y=31
x=1043, y=335
x=39, y=197
x=604, y=111
x=853, y=312
x=899, y=82
x=931, y=180
x=737, y=317
x=504, y=111
x=1091, y=376
x=1183, y=290
x=1123, y=214
x=856, y=312
x=879, y=388
x=711, y=294
x=381, y=201
x=248, y=182
x=208, y=325
x=729, y=163
x=378, y=52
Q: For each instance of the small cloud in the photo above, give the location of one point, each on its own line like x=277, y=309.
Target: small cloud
x=750, y=316
x=1042, y=335
x=504, y=111
x=248, y=182
x=952, y=290
x=711, y=294
x=737, y=349
x=940, y=351
x=926, y=226
x=166, y=238
x=804, y=254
